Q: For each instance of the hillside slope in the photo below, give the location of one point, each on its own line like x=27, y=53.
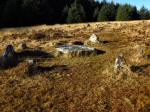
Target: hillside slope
x=79, y=84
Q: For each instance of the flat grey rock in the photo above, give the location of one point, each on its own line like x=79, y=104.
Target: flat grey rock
x=75, y=50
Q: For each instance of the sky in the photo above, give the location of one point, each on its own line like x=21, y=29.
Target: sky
x=137, y=3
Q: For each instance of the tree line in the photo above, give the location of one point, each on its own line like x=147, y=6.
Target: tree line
x=34, y=12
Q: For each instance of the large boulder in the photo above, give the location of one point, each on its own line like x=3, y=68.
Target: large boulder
x=75, y=50
x=9, y=58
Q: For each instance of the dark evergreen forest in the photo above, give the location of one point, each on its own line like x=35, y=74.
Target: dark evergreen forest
x=34, y=12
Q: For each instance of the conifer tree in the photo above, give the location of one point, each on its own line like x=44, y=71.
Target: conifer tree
x=65, y=14
x=144, y=13
x=127, y=12
x=107, y=13
x=76, y=13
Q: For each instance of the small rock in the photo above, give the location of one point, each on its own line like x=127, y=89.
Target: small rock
x=31, y=62
x=32, y=68
x=24, y=46
x=94, y=39
x=88, y=25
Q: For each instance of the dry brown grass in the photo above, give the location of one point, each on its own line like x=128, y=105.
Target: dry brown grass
x=80, y=84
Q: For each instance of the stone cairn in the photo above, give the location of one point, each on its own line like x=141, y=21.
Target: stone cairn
x=120, y=64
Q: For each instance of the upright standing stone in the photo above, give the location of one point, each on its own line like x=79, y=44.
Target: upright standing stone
x=9, y=57
x=9, y=51
x=120, y=64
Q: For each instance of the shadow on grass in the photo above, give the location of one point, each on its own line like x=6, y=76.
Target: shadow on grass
x=33, y=54
x=139, y=69
x=22, y=56
x=98, y=52
x=35, y=70
x=148, y=56
x=146, y=108
x=105, y=42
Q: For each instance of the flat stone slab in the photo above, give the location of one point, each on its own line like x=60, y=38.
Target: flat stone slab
x=75, y=50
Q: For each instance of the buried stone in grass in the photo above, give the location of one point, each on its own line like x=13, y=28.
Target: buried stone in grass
x=34, y=68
